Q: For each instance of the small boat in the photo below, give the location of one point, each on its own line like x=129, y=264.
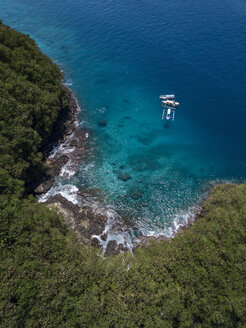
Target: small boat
x=168, y=113
x=169, y=104
x=167, y=97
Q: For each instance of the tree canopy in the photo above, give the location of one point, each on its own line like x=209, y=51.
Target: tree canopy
x=30, y=99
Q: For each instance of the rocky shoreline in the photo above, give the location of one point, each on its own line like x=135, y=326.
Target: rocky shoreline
x=64, y=126
x=64, y=151
x=67, y=146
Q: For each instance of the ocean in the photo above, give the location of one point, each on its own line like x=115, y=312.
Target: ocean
x=118, y=57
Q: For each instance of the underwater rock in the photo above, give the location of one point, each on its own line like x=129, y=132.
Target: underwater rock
x=124, y=176
x=101, y=81
x=136, y=194
x=92, y=192
x=102, y=123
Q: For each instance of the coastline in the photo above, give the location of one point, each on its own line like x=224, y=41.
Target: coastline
x=188, y=265
x=64, y=151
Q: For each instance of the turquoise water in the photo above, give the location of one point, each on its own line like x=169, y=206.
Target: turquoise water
x=119, y=56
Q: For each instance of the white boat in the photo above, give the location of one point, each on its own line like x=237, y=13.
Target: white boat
x=167, y=97
x=168, y=113
x=169, y=104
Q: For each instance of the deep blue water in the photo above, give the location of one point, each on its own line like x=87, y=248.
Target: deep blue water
x=120, y=56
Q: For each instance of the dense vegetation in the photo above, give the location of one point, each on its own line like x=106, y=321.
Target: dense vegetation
x=30, y=98
x=47, y=279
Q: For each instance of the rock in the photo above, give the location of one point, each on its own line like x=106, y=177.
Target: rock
x=136, y=194
x=144, y=241
x=73, y=143
x=48, y=162
x=81, y=219
x=104, y=237
x=44, y=186
x=112, y=248
x=73, y=118
x=102, y=123
x=124, y=176
x=122, y=248
x=95, y=243
x=69, y=131
x=57, y=165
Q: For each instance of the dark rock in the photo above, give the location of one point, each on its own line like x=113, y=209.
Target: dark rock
x=72, y=119
x=81, y=219
x=124, y=176
x=144, y=241
x=64, y=124
x=104, y=237
x=136, y=194
x=56, y=165
x=122, y=248
x=44, y=186
x=95, y=243
x=112, y=248
x=69, y=131
x=102, y=123
x=73, y=143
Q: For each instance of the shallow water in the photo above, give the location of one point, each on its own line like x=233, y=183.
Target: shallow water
x=119, y=57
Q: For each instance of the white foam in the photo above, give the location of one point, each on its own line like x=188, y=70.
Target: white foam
x=179, y=220
x=67, y=170
x=52, y=152
x=112, y=229
x=68, y=83
x=63, y=148
x=124, y=236
x=87, y=167
x=67, y=191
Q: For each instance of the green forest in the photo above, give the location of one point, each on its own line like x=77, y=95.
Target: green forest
x=48, y=279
